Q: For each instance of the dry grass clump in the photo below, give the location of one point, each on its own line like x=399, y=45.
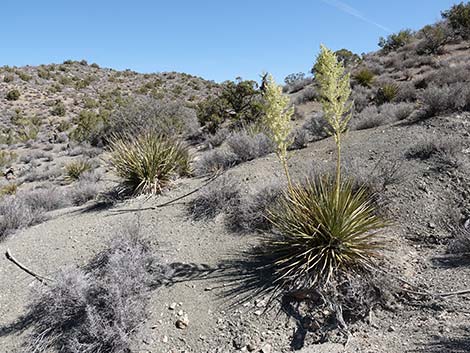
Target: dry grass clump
x=148, y=162
x=215, y=161
x=76, y=168
x=97, y=308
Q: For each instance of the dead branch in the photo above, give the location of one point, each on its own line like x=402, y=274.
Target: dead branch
x=30, y=272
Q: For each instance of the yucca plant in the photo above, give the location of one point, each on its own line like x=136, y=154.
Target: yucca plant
x=76, y=168
x=149, y=162
x=322, y=231
x=326, y=226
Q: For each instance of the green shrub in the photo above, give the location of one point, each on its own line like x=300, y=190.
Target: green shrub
x=24, y=76
x=396, y=40
x=43, y=73
x=434, y=38
x=13, y=95
x=148, y=163
x=239, y=104
x=458, y=17
x=8, y=189
x=58, y=109
x=347, y=57
x=89, y=127
x=364, y=77
x=6, y=158
x=386, y=93
x=8, y=78
x=76, y=168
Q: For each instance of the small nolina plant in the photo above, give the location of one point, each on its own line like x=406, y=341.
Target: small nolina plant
x=76, y=168
x=148, y=162
x=327, y=228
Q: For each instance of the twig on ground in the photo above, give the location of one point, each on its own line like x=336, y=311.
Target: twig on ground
x=40, y=278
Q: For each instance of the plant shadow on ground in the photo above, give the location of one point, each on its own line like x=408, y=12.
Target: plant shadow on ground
x=245, y=277
x=451, y=261
x=251, y=277
x=447, y=345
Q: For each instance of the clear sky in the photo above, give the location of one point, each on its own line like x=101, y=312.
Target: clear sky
x=215, y=39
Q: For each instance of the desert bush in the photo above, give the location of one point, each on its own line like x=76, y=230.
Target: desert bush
x=83, y=191
x=407, y=92
x=215, y=140
x=292, y=79
x=449, y=75
x=248, y=146
x=296, y=82
x=7, y=158
x=28, y=208
x=238, y=104
x=434, y=37
x=436, y=100
x=308, y=94
x=458, y=17
x=444, y=153
x=460, y=244
x=99, y=307
x=58, y=109
x=8, y=78
x=149, y=115
x=46, y=198
x=347, y=57
x=24, y=76
x=8, y=189
x=387, y=93
x=368, y=118
x=74, y=169
x=89, y=127
x=299, y=139
x=222, y=195
x=250, y=213
x=147, y=163
x=396, y=40
x=216, y=160
x=364, y=77
x=361, y=96
x=13, y=95
x=316, y=126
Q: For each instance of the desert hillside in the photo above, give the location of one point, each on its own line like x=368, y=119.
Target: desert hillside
x=167, y=213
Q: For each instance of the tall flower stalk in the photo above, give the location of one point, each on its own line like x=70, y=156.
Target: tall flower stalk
x=335, y=91
x=277, y=121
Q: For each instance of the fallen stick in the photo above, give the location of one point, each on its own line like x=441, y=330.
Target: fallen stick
x=40, y=278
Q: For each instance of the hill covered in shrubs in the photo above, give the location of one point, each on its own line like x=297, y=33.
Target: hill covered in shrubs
x=330, y=214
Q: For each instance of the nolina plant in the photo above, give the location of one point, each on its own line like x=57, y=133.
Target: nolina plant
x=326, y=228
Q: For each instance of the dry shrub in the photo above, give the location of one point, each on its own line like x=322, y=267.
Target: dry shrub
x=97, y=308
x=249, y=146
x=250, y=213
x=221, y=195
x=214, y=161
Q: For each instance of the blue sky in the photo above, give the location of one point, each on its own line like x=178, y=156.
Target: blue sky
x=215, y=39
